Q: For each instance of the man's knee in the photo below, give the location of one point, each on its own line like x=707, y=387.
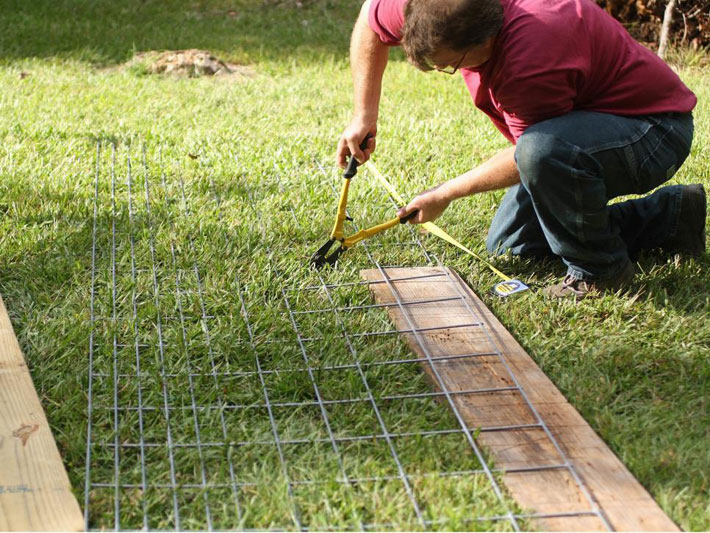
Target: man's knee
x=546, y=159
x=495, y=242
x=534, y=153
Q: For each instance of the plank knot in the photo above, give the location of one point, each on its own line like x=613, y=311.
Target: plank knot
x=24, y=431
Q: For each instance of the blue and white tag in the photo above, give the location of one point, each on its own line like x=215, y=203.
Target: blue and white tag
x=508, y=288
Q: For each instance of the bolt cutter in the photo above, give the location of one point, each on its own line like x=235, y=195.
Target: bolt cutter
x=320, y=258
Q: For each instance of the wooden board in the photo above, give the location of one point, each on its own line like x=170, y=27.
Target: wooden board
x=34, y=487
x=614, y=491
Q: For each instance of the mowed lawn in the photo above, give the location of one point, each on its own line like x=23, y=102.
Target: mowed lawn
x=248, y=149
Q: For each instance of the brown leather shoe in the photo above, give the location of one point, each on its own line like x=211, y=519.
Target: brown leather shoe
x=579, y=289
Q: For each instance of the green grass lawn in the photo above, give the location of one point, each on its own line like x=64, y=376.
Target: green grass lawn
x=258, y=204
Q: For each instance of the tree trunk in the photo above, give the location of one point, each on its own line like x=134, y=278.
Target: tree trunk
x=666, y=28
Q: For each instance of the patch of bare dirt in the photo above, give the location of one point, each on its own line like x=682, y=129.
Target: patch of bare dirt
x=191, y=63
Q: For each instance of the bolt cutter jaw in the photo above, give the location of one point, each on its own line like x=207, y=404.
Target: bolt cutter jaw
x=332, y=259
x=319, y=259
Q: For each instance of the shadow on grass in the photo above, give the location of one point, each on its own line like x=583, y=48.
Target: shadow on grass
x=677, y=282
x=635, y=367
x=104, y=32
x=673, y=281
x=41, y=268
x=45, y=282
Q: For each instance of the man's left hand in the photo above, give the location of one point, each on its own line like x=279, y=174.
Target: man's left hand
x=430, y=203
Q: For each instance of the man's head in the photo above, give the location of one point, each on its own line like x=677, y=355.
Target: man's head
x=445, y=27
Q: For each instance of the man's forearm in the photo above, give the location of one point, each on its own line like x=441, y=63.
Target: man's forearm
x=368, y=59
x=498, y=172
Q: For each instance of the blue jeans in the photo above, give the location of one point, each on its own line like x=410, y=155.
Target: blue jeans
x=570, y=167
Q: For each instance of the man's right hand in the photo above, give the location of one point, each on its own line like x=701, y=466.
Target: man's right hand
x=350, y=140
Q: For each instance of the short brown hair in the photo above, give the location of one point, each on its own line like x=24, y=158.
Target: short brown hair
x=430, y=25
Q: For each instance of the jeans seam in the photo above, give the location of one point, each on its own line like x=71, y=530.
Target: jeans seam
x=677, y=202
x=631, y=160
x=653, y=150
x=620, y=144
x=578, y=197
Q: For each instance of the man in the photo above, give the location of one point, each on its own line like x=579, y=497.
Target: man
x=591, y=114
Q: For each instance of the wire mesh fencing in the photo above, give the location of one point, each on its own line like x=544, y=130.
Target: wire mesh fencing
x=232, y=387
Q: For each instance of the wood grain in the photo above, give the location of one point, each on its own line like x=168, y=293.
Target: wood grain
x=35, y=494
x=617, y=494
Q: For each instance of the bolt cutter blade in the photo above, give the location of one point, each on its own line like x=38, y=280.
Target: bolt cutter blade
x=318, y=259
x=332, y=259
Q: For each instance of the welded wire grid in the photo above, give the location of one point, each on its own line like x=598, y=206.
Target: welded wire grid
x=302, y=410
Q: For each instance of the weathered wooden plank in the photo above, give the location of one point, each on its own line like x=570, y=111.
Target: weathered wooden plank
x=470, y=328
x=34, y=487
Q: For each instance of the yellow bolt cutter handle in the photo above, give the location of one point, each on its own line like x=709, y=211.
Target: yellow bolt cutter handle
x=337, y=234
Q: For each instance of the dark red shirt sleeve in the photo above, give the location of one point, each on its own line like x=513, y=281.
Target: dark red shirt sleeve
x=386, y=18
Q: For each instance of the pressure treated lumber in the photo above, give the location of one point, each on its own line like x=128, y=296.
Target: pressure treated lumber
x=620, y=497
x=35, y=494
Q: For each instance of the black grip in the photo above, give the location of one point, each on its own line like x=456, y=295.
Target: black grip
x=353, y=163
x=406, y=218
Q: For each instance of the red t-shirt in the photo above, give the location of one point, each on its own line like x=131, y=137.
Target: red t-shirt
x=552, y=57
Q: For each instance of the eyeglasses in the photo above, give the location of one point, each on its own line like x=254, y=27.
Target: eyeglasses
x=449, y=69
